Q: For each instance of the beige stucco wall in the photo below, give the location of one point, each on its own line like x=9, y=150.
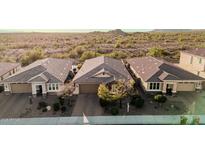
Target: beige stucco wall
x=195, y=67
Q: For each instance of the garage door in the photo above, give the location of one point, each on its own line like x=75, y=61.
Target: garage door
x=21, y=88
x=186, y=87
x=88, y=88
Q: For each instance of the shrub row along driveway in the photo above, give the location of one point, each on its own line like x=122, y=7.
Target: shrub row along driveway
x=87, y=104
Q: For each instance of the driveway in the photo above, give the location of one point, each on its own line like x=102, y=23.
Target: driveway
x=11, y=106
x=87, y=104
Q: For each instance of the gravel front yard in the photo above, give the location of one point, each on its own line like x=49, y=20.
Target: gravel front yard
x=18, y=106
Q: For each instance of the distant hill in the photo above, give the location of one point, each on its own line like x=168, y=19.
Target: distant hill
x=176, y=30
x=118, y=32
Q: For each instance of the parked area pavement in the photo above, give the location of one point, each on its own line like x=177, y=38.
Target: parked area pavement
x=19, y=106
x=87, y=104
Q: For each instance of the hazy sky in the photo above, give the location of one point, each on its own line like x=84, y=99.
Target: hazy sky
x=68, y=30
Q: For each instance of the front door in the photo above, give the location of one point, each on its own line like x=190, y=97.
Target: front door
x=39, y=90
x=169, y=89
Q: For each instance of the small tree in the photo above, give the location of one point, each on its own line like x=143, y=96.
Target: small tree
x=104, y=94
x=67, y=90
x=120, y=90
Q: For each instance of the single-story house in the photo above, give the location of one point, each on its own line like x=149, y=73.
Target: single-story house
x=160, y=76
x=46, y=76
x=100, y=70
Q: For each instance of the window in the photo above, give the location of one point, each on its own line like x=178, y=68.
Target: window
x=56, y=86
x=154, y=86
x=49, y=87
x=158, y=86
x=53, y=86
x=191, y=60
x=150, y=86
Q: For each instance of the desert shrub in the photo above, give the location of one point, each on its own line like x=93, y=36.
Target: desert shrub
x=63, y=109
x=137, y=101
x=156, y=52
x=103, y=102
x=88, y=55
x=114, y=111
x=195, y=121
x=42, y=105
x=160, y=98
x=61, y=100
x=117, y=54
x=56, y=106
x=44, y=110
x=31, y=56
x=134, y=97
x=183, y=120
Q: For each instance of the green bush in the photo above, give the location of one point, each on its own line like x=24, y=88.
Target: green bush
x=42, y=105
x=114, y=111
x=195, y=121
x=56, y=107
x=31, y=56
x=183, y=120
x=88, y=55
x=61, y=100
x=137, y=101
x=134, y=97
x=44, y=110
x=63, y=109
x=156, y=52
x=160, y=98
x=103, y=103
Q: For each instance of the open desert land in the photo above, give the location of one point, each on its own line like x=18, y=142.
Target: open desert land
x=28, y=47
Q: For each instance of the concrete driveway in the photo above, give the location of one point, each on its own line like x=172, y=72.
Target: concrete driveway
x=87, y=104
x=11, y=106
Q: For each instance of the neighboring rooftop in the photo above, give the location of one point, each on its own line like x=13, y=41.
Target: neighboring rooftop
x=197, y=51
x=6, y=67
x=151, y=69
x=92, y=67
x=48, y=70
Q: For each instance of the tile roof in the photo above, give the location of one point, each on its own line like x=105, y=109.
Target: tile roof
x=53, y=69
x=154, y=70
x=197, y=51
x=101, y=64
x=6, y=67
